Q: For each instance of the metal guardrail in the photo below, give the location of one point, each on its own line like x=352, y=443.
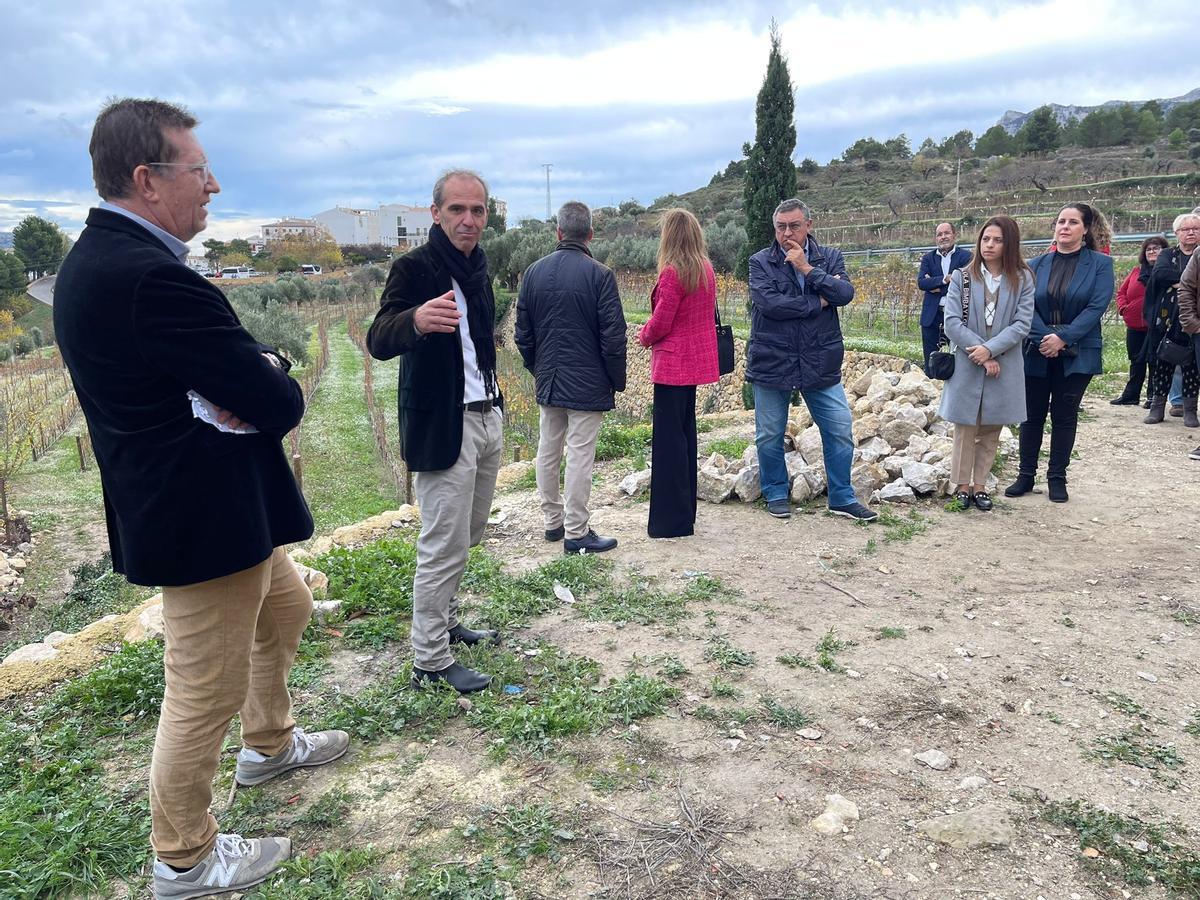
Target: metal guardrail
x=1033, y=242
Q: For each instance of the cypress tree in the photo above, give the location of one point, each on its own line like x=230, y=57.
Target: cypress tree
x=770, y=173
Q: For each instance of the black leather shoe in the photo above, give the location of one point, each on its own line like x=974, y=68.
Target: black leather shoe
x=1023, y=485
x=556, y=534
x=461, y=634
x=1124, y=401
x=982, y=501
x=458, y=676
x=963, y=499
x=1056, y=489
x=589, y=543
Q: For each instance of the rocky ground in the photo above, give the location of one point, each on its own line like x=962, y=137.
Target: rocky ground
x=994, y=665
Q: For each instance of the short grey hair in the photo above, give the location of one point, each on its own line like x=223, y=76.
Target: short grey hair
x=1183, y=217
x=791, y=205
x=575, y=220
x=439, y=186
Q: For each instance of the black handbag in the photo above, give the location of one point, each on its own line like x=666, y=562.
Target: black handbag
x=1175, y=348
x=940, y=364
x=725, y=360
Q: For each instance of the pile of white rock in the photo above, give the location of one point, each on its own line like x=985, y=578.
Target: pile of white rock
x=902, y=448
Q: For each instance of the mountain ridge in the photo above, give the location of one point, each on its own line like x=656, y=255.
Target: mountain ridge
x=1012, y=120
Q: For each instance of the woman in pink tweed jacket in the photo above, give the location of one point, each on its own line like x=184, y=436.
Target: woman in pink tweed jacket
x=682, y=336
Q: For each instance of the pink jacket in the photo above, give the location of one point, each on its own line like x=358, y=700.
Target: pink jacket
x=682, y=332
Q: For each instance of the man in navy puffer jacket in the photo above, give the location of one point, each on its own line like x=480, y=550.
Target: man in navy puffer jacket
x=571, y=334
x=796, y=286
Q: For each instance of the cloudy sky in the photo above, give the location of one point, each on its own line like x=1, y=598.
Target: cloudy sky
x=360, y=103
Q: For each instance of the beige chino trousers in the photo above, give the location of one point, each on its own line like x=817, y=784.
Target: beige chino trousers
x=230, y=643
x=974, y=452
x=455, y=504
x=578, y=429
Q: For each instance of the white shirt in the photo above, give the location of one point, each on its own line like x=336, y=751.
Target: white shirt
x=473, y=389
x=946, y=259
x=174, y=244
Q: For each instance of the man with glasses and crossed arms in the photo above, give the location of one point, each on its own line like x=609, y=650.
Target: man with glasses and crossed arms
x=796, y=286
x=186, y=412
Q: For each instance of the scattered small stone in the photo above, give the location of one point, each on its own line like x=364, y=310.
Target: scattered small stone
x=809, y=734
x=972, y=783
x=464, y=704
x=838, y=811
x=1148, y=676
x=1091, y=852
x=324, y=610
x=1140, y=846
x=935, y=759
x=984, y=826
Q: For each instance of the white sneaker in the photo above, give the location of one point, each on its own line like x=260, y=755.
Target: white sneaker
x=314, y=749
x=233, y=865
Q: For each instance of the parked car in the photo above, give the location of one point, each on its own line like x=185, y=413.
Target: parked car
x=237, y=272
x=309, y=269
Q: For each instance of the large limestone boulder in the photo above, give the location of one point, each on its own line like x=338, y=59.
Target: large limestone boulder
x=815, y=476
x=149, y=625
x=714, y=485
x=31, y=653
x=898, y=432
x=906, y=412
x=894, y=465
x=866, y=427
x=747, y=485
x=809, y=444
x=921, y=477
x=862, y=383
x=896, y=492
x=874, y=449
x=802, y=417
x=636, y=483
x=867, y=478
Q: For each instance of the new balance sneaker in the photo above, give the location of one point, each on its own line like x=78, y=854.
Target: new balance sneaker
x=1195, y=454
x=855, y=511
x=314, y=749
x=233, y=865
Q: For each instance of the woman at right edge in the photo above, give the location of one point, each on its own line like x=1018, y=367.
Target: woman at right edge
x=1073, y=288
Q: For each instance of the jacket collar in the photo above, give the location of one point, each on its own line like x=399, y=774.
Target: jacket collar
x=574, y=245
x=812, y=250
x=103, y=218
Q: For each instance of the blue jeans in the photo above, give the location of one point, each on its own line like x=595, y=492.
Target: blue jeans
x=831, y=414
x=1175, y=397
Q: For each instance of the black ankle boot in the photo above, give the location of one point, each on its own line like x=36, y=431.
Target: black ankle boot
x=458, y=676
x=1056, y=489
x=461, y=634
x=1023, y=485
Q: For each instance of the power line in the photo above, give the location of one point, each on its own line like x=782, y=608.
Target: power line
x=547, y=167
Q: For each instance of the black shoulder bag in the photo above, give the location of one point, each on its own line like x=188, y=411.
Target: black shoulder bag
x=724, y=345
x=940, y=364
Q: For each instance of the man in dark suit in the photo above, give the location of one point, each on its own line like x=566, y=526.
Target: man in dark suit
x=186, y=412
x=933, y=278
x=437, y=314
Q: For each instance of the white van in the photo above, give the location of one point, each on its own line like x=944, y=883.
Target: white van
x=308, y=269
x=236, y=272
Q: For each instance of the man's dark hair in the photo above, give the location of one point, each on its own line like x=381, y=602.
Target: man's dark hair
x=129, y=133
x=575, y=221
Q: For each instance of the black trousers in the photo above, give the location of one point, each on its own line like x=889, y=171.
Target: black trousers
x=1059, y=395
x=1134, y=343
x=673, y=462
x=929, y=338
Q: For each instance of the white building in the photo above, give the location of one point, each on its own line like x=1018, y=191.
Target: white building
x=404, y=227
x=287, y=228
x=350, y=226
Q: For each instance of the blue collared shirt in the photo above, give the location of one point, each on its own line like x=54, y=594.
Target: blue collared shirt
x=174, y=244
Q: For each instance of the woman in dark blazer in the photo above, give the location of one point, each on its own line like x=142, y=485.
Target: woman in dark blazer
x=1073, y=287
x=1161, y=313
x=682, y=336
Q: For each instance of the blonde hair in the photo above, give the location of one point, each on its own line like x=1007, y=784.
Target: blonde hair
x=682, y=247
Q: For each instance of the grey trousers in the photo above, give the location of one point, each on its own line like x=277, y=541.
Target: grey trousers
x=454, y=504
x=579, y=429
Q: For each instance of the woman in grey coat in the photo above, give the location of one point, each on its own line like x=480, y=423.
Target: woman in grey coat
x=987, y=390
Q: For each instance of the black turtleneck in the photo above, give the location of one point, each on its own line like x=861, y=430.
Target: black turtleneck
x=1062, y=270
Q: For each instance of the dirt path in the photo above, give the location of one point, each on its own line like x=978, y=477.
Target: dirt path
x=1029, y=634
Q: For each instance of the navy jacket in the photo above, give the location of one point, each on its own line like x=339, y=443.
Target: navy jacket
x=795, y=343
x=571, y=330
x=929, y=279
x=430, y=396
x=184, y=502
x=1088, y=296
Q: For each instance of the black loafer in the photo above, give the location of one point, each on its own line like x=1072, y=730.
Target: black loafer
x=458, y=676
x=982, y=501
x=461, y=634
x=963, y=499
x=556, y=534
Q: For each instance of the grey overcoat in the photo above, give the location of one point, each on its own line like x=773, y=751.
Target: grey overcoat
x=969, y=397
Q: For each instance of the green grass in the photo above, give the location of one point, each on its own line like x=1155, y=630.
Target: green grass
x=902, y=528
x=620, y=439
x=827, y=649
x=673, y=669
x=722, y=688
x=481, y=880
x=1173, y=865
x=375, y=578
x=96, y=591
x=795, y=661
x=331, y=873
x=344, y=479
x=730, y=448
x=635, y=603
x=785, y=716
x=127, y=686
x=727, y=655
x=889, y=632
x=1135, y=748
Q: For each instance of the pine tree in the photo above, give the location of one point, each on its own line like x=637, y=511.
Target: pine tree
x=1041, y=132
x=770, y=173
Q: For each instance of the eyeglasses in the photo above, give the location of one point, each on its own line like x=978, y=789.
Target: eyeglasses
x=790, y=226
x=1189, y=228
x=204, y=168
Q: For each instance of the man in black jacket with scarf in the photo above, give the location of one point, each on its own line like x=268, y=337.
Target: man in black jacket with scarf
x=186, y=411
x=437, y=314
x=571, y=334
